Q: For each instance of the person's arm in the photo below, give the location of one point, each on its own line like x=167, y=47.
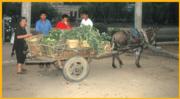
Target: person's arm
x=90, y=23
x=81, y=24
x=23, y=36
x=20, y=35
x=50, y=26
x=69, y=27
x=61, y=26
x=37, y=27
x=57, y=25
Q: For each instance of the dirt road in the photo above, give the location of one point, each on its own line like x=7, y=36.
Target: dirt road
x=158, y=77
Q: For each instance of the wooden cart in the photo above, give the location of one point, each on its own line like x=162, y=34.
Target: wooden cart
x=73, y=62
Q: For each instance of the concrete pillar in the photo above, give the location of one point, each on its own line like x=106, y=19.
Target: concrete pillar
x=138, y=15
x=138, y=20
x=26, y=12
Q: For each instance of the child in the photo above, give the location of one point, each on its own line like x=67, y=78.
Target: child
x=86, y=21
x=64, y=23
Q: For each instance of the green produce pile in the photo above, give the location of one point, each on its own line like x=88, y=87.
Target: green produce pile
x=91, y=35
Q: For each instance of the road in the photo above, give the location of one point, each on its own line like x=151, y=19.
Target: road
x=158, y=77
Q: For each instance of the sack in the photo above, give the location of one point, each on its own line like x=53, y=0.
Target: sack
x=73, y=43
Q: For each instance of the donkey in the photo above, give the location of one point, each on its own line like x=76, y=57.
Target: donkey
x=121, y=43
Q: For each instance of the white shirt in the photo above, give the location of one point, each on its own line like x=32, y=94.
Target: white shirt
x=87, y=22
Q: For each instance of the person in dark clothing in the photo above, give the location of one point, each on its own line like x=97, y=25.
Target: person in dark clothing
x=20, y=46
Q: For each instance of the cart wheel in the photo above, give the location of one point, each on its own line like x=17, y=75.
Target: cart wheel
x=76, y=69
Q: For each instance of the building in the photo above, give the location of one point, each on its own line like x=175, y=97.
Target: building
x=71, y=10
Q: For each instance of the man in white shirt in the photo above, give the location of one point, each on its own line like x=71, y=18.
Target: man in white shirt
x=86, y=21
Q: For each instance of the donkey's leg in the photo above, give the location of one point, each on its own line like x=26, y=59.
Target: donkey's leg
x=113, y=55
x=138, y=56
x=113, y=61
x=119, y=60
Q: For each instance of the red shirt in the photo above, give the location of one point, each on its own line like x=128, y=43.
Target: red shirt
x=61, y=25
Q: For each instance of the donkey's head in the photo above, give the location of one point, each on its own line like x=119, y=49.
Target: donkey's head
x=152, y=33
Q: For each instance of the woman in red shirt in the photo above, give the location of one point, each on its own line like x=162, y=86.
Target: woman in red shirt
x=64, y=23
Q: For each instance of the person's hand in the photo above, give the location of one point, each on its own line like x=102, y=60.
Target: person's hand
x=29, y=35
x=66, y=22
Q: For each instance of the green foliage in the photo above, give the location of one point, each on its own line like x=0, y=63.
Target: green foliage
x=91, y=35
x=106, y=37
x=49, y=41
x=52, y=38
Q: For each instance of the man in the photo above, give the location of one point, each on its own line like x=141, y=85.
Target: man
x=86, y=21
x=43, y=25
x=64, y=23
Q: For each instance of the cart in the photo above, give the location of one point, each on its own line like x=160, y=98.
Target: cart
x=73, y=62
